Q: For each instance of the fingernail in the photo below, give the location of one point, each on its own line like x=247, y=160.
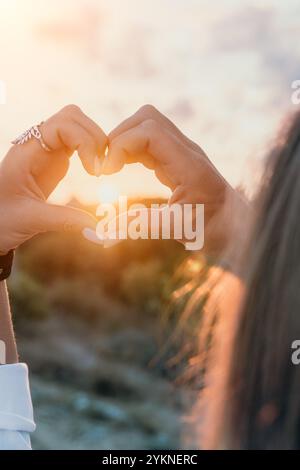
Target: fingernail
x=92, y=236
x=108, y=243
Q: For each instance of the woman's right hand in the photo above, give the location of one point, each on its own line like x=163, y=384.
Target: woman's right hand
x=150, y=138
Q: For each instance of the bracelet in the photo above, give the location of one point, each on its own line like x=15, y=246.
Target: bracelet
x=6, y=262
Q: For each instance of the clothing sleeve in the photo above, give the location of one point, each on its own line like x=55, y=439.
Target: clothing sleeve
x=16, y=413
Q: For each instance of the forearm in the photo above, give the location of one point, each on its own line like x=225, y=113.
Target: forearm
x=229, y=230
x=6, y=327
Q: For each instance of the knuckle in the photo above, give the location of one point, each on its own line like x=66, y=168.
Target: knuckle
x=87, y=144
x=71, y=109
x=92, y=144
x=150, y=125
x=89, y=147
x=147, y=110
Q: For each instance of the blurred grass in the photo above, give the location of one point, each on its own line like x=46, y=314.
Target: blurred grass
x=109, y=323
x=151, y=281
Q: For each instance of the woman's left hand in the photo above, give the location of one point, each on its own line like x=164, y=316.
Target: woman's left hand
x=29, y=174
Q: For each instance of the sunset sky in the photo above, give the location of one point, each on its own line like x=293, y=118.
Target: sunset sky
x=222, y=71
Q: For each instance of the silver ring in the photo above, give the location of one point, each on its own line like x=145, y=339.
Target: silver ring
x=35, y=132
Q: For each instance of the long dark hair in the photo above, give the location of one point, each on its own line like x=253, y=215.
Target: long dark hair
x=262, y=404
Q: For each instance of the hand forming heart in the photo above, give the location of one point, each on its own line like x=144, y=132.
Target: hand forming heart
x=150, y=138
x=29, y=174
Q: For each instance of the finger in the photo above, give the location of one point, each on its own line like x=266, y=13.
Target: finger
x=55, y=134
x=58, y=136
x=106, y=242
x=162, y=176
x=152, y=223
x=66, y=131
x=50, y=217
x=94, y=130
x=91, y=235
x=56, y=168
x=129, y=147
x=76, y=138
x=145, y=113
x=64, y=136
x=147, y=139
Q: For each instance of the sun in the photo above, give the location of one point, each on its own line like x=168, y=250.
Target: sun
x=108, y=193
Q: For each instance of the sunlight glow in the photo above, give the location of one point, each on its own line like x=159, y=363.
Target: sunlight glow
x=228, y=90
x=108, y=193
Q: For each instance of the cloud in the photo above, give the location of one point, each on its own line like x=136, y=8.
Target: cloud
x=266, y=34
x=132, y=54
x=246, y=28
x=81, y=29
x=182, y=109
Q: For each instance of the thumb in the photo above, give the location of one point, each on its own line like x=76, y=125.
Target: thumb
x=51, y=217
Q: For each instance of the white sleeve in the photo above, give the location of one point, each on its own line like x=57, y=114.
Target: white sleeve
x=16, y=413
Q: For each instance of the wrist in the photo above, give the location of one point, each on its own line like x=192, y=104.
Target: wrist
x=9, y=350
x=230, y=229
x=6, y=262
